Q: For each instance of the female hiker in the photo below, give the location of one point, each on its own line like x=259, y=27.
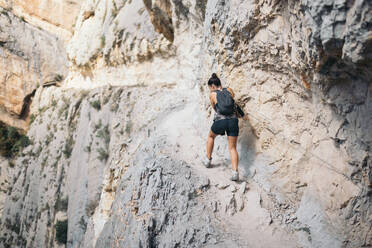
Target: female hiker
x=225, y=121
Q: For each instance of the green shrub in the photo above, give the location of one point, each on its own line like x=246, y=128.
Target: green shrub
x=22, y=142
x=32, y=118
x=68, y=147
x=96, y=104
x=49, y=138
x=64, y=108
x=61, y=231
x=97, y=126
x=102, y=154
x=104, y=134
x=11, y=141
x=43, y=109
x=116, y=100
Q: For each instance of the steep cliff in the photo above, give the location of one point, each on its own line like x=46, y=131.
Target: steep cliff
x=115, y=158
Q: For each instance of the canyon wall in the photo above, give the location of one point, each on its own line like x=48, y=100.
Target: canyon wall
x=116, y=148
x=33, y=36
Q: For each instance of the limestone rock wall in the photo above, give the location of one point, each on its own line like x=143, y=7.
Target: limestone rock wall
x=105, y=159
x=98, y=162
x=54, y=16
x=136, y=42
x=301, y=71
x=30, y=57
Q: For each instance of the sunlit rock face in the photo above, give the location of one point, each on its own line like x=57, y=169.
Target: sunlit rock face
x=116, y=149
x=302, y=69
x=30, y=57
x=33, y=36
x=137, y=42
x=55, y=16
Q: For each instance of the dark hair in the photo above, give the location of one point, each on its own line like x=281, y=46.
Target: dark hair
x=214, y=80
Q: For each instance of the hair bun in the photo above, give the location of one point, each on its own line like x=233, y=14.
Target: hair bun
x=214, y=75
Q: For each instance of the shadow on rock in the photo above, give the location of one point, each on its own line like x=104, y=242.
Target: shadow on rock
x=246, y=149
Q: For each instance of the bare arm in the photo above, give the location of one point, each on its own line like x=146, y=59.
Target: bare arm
x=231, y=92
x=211, y=99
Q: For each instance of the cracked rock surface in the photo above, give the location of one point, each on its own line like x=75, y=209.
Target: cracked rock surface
x=117, y=144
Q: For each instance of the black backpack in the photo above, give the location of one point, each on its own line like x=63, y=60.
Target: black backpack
x=225, y=103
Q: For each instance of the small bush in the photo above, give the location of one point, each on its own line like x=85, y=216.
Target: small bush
x=97, y=126
x=22, y=142
x=61, y=231
x=49, y=138
x=104, y=134
x=64, y=108
x=43, y=109
x=116, y=100
x=15, y=227
x=11, y=141
x=96, y=104
x=68, y=147
x=102, y=154
x=54, y=103
x=32, y=118
x=83, y=224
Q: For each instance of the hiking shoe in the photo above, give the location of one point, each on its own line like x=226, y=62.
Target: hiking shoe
x=235, y=176
x=207, y=162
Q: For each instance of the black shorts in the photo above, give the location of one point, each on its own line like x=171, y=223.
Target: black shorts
x=230, y=126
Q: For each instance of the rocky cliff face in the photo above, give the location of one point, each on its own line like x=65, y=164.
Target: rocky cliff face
x=54, y=16
x=119, y=164
x=32, y=50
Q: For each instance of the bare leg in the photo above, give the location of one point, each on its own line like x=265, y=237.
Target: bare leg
x=232, y=140
x=210, y=143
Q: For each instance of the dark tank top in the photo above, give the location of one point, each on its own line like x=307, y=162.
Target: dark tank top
x=219, y=116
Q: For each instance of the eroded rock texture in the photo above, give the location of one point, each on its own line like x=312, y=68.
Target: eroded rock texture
x=30, y=57
x=98, y=167
x=122, y=163
x=302, y=69
x=55, y=16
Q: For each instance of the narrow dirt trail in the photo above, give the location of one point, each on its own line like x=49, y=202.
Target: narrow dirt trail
x=236, y=205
